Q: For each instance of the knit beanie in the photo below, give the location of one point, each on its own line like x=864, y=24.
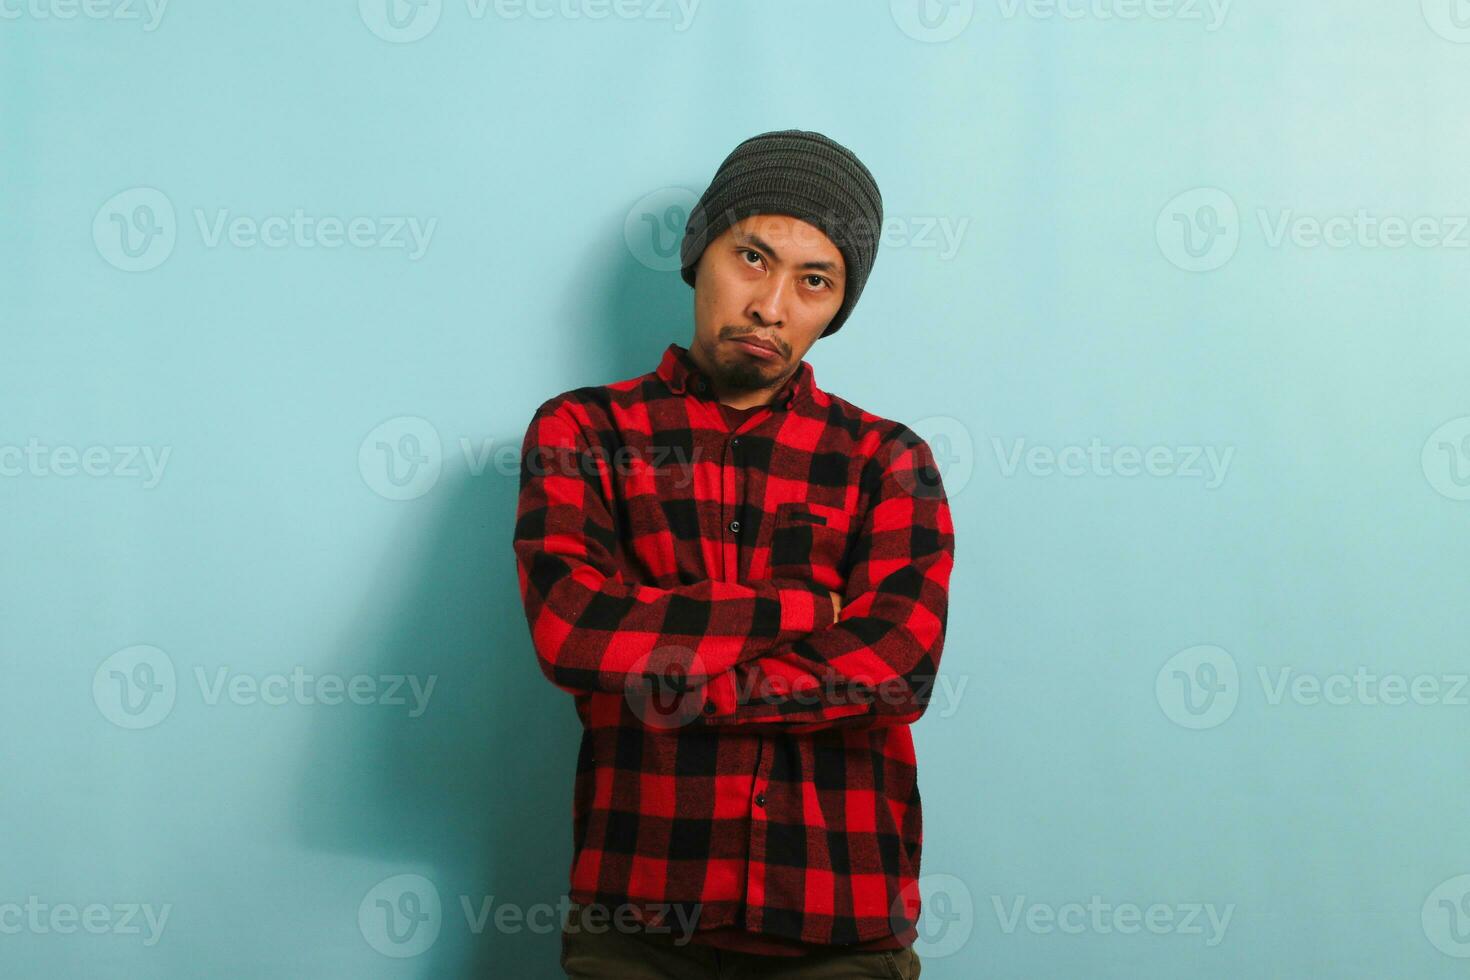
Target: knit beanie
x=802, y=174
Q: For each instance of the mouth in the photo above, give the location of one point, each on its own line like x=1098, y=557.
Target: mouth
x=755, y=347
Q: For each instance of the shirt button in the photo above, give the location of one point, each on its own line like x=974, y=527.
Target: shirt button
x=735, y=442
x=709, y=707
x=735, y=526
x=760, y=799
x=699, y=384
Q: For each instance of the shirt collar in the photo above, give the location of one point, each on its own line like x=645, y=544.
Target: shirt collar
x=678, y=371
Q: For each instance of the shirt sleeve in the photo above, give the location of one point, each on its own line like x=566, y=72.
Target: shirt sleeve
x=876, y=665
x=594, y=631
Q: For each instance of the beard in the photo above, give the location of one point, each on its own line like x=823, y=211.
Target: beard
x=737, y=372
x=746, y=376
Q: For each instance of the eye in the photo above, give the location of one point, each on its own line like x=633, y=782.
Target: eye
x=819, y=280
x=750, y=251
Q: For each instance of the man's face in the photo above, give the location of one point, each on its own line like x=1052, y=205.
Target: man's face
x=771, y=279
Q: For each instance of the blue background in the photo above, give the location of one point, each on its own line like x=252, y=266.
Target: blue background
x=1130, y=192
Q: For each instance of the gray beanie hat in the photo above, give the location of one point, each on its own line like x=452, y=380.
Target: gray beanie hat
x=797, y=173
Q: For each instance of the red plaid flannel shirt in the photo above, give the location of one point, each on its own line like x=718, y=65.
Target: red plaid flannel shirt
x=743, y=755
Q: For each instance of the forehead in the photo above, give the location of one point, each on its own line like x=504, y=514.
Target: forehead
x=793, y=240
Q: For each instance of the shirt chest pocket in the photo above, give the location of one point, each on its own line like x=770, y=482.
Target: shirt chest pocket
x=811, y=542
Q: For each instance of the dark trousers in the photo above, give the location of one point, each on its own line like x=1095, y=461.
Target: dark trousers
x=615, y=954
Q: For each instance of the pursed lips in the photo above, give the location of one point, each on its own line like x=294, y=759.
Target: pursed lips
x=754, y=341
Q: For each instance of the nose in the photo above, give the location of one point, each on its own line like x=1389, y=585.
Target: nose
x=768, y=305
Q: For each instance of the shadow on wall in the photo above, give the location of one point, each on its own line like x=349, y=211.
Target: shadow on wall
x=474, y=795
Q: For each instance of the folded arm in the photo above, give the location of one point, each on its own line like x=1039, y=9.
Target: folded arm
x=595, y=632
x=875, y=665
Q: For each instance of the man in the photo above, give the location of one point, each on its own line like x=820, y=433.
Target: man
x=743, y=580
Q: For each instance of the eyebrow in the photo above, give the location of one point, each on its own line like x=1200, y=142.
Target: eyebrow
x=749, y=238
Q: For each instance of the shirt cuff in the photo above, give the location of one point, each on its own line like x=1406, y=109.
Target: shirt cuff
x=805, y=608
